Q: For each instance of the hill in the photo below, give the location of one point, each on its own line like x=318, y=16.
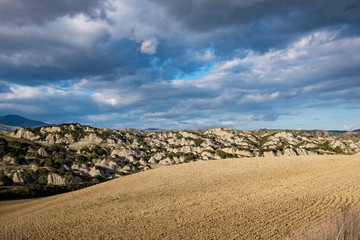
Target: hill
x=18, y=121
x=72, y=155
x=257, y=198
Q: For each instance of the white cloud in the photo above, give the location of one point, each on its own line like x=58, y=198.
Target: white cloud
x=252, y=117
x=259, y=97
x=207, y=56
x=149, y=46
x=116, y=98
x=231, y=123
x=22, y=92
x=351, y=126
x=81, y=84
x=105, y=99
x=103, y=117
x=227, y=65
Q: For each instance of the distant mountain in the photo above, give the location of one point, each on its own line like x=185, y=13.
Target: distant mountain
x=154, y=129
x=337, y=131
x=15, y=120
x=357, y=130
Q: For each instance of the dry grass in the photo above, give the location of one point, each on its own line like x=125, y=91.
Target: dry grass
x=345, y=226
x=258, y=198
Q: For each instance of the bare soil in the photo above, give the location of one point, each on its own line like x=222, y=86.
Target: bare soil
x=252, y=198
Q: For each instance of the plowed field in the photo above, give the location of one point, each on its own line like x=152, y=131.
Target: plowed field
x=254, y=198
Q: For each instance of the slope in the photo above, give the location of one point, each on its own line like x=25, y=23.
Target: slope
x=270, y=198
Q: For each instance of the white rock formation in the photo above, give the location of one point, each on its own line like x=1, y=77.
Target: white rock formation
x=55, y=179
x=18, y=177
x=42, y=152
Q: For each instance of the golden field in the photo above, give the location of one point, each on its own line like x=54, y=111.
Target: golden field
x=248, y=198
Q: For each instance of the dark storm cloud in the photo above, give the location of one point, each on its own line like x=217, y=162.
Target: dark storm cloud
x=27, y=12
x=56, y=60
x=260, y=25
x=207, y=15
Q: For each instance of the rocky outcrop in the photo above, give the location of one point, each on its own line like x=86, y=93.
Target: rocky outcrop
x=124, y=152
x=95, y=172
x=91, y=138
x=55, y=179
x=18, y=177
x=51, y=129
x=42, y=152
x=25, y=133
x=9, y=160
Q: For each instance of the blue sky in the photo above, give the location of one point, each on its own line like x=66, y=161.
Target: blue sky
x=182, y=64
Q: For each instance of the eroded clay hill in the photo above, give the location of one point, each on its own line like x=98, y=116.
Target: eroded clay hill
x=247, y=198
x=72, y=153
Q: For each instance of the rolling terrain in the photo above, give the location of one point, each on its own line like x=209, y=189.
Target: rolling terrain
x=75, y=154
x=247, y=198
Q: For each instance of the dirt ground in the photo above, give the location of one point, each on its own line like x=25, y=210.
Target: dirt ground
x=253, y=198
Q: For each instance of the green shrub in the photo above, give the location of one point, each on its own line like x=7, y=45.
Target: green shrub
x=120, y=173
x=81, y=159
x=49, y=162
x=198, y=141
x=190, y=157
x=41, y=175
x=223, y=154
x=85, y=149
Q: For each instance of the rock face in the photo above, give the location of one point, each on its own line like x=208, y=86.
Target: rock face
x=95, y=172
x=91, y=138
x=42, y=152
x=24, y=133
x=18, y=178
x=55, y=179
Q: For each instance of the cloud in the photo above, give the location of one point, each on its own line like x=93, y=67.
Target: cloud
x=214, y=63
x=24, y=93
x=37, y=11
x=352, y=126
x=116, y=98
x=149, y=46
x=51, y=104
x=258, y=97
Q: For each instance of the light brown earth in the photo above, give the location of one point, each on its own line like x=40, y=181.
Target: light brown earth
x=253, y=198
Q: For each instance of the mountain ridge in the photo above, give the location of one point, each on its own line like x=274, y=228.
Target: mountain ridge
x=13, y=120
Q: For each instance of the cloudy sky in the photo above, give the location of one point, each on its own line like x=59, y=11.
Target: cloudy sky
x=182, y=64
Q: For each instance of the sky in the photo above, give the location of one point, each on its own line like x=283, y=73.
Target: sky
x=186, y=64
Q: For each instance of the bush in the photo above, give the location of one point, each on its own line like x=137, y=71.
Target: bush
x=38, y=190
x=49, y=162
x=81, y=159
x=223, y=154
x=85, y=149
x=41, y=175
x=198, y=141
x=121, y=173
x=5, y=180
x=190, y=157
